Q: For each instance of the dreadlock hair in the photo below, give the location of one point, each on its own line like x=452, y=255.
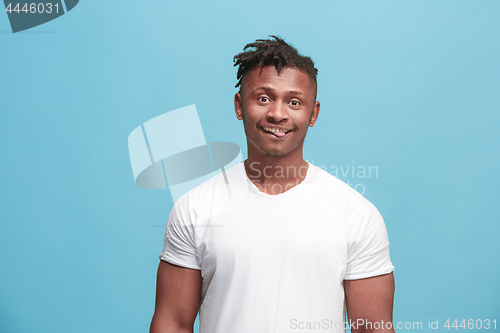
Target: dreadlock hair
x=268, y=52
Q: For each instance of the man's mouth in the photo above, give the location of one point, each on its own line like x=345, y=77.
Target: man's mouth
x=277, y=132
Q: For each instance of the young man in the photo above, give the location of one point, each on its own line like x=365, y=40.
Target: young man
x=288, y=246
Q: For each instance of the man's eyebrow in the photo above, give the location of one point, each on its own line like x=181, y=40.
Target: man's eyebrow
x=293, y=92
x=290, y=92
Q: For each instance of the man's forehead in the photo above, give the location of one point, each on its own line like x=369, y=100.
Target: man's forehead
x=271, y=90
x=258, y=71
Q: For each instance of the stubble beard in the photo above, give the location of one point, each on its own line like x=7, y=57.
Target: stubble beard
x=273, y=153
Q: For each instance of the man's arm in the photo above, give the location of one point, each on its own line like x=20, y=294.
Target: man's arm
x=370, y=301
x=178, y=291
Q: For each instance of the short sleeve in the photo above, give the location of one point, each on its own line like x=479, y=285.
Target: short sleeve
x=179, y=244
x=368, y=248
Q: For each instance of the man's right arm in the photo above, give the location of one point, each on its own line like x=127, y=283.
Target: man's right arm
x=178, y=292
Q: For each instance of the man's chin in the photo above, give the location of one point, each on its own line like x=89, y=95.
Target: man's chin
x=274, y=153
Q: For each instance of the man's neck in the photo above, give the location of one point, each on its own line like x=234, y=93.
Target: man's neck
x=275, y=175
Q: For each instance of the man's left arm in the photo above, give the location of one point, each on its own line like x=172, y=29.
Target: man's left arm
x=369, y=304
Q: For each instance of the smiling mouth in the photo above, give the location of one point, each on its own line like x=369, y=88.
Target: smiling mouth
x=277, y=132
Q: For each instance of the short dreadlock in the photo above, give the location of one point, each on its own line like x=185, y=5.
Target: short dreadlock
x=268, y=52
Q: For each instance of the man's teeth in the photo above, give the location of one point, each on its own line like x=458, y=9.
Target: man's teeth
x=275, y=130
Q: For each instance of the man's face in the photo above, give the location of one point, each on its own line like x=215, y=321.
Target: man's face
x=276, y=109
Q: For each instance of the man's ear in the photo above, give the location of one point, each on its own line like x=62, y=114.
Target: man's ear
x=315, y=114
x=238, y=106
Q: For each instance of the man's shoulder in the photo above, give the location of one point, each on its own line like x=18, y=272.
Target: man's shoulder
x=334, y=194
x=218, y=188
x=322, y=178
x=336, y=189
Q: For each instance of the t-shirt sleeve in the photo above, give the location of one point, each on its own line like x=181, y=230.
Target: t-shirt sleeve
x=368, y=248
x=179, y=243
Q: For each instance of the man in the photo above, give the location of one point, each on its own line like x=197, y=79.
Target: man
x=287, y=244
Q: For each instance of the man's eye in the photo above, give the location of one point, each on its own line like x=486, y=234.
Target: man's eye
x=264, y=99
x=295, y=103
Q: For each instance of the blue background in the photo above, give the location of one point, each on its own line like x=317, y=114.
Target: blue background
x=411, y=87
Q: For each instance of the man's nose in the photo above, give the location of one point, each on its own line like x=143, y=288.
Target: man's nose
x=277, y=112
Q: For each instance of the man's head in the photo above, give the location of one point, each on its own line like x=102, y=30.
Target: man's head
x=277, y=98
x=268, y=52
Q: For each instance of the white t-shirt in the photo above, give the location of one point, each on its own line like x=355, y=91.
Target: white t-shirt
x=275, y=263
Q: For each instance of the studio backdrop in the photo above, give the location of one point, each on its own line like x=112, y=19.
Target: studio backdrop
x=409, y=118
